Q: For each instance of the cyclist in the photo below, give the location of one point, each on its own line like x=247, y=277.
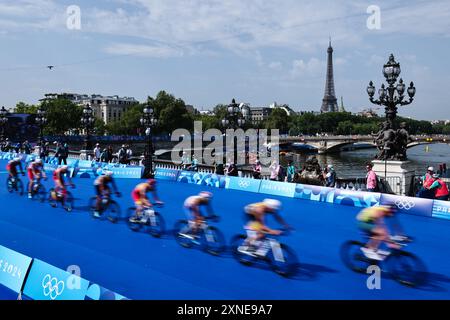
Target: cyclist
x=139, y=196
x=372, y=222
x=58, y=179
x=102, y=187
x=192, y=208
x=12, y=167
x=35, y=172
x=256, y=227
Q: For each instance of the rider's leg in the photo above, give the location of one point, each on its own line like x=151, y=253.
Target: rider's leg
x=379, y=235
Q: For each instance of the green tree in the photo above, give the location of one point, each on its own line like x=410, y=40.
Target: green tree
x=62, y=115
x=22, y=107
x=278, y=119
x=129, y=123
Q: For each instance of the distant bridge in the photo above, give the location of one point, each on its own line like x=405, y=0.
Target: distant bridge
x=329, y=144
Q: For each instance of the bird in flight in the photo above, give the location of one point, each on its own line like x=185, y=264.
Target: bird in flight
x=50, y=67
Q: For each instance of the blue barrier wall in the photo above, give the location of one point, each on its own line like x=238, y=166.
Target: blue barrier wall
x=13, y=269
x=362, y=199
x=41, y=281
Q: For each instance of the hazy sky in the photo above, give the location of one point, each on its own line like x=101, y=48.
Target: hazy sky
x=209, y=51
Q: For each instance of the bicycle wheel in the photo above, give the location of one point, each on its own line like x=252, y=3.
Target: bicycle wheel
x=353, y=258
x=406, y=268
x=112, y=211
x=236, y=242
x=9, y=185
x=41, y=193
x=156, y=225
x=283, y=260
x=182, y=233
x=213, y=240
x=135, y=226
x=69, y=203
x=52, y=198
x=19, y=186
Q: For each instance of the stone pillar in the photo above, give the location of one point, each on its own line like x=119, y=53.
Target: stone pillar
x=86, y=155
x=398, y=174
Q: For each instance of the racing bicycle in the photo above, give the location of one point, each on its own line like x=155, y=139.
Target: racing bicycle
x=403, y=266
x=14, y=184
x=151, y=220
x=56, y=196
x=207, y=237
x=280, y=257
x=109, y=208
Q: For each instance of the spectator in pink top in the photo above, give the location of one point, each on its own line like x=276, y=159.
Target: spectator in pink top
x=371, y=179
x=274, y=170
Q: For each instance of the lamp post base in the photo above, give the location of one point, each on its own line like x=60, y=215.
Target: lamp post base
x=399, y=174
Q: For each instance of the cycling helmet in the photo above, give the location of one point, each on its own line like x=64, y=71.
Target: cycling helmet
x=430, y=169
x=272, y=204
x=151, y=182
x=64, y=167
x=38, y=161
x=206, y=195
x=108, y=173
x=17, y=159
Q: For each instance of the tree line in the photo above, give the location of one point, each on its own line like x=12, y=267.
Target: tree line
x=64, y=116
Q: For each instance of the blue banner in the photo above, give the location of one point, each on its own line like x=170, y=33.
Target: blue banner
x=46, y=282
x=84, y=164
x=441, y=209
x=314, y=193
x=276, y=188
x=166, y=174
x=201, y=178
x=243, y=184
x=356, y=198
x=416, y=206
x=13, y=268
x=96, y=292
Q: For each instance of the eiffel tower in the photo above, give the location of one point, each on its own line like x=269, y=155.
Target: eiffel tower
x=329, y=102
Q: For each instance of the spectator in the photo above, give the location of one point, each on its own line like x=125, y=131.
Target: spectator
x=427, y=181
x=290, y=172
x=65, y=153
x=110, y=154
x=194, y=164
x=97, y=152
x=104, y=155
x=59, y=152
x=439, y=188
x=330, y=176
x=257, y=170
x=129, y=154
x=26, y=147
x=232, y=170
x=218, y=169
x=371, y=178
x=122, y=155
x=185, y=161
x=274, y=170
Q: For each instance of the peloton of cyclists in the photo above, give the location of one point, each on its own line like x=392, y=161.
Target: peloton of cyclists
x=372, y=222
x=139, y=196
x=256, y=226
x=101, y=185
x=35, y=172
x=192, y=207
x=12, y=167
x=58, y=179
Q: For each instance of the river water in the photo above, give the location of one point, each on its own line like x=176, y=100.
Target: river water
x=352, y=163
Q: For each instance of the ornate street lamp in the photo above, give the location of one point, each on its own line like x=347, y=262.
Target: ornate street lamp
x=148, y=122
x=3, y=121
x=41, y=120
x=235, y=118
x=390, y=141
x=87, y=121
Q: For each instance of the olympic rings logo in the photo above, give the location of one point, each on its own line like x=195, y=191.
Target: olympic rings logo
x=406, y=205
x=52, y=287
x=243, y=183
